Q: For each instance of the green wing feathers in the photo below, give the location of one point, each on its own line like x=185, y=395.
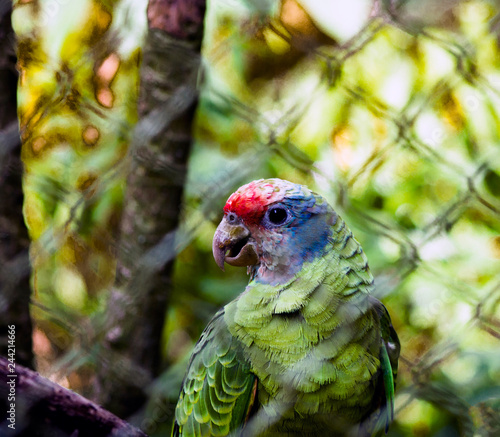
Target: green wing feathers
x=218, y=389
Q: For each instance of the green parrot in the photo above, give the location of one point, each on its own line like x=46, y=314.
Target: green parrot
x=304, y=349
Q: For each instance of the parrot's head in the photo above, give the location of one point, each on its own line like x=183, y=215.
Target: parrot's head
x=273, y=226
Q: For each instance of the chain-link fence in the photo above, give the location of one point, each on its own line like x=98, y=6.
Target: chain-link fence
x=390, y=110
x=395, y=120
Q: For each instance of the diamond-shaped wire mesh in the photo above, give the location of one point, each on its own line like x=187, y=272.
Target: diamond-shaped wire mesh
x=398, y=126
x=393, y=116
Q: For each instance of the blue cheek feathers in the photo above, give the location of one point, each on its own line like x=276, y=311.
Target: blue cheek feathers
x=304, y=238
x=309, y=238
x=309, y=232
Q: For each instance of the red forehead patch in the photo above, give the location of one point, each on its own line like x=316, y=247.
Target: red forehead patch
x=250, y=201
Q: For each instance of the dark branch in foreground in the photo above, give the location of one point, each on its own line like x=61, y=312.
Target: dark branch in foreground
x=43, y=408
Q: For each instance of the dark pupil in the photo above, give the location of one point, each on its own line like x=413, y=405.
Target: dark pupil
x=277, y=216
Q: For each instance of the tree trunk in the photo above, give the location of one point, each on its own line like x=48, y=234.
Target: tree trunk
x=160, y=152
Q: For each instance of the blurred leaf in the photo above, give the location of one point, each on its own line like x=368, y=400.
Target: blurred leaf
x=492, y=182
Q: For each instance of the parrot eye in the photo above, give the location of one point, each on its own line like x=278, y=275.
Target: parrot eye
x=231, y=218
x=277, y=215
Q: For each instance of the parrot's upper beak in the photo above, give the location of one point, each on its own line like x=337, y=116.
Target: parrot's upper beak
x=233, y=245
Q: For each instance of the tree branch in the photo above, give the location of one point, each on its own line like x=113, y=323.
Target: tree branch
x=36, y=406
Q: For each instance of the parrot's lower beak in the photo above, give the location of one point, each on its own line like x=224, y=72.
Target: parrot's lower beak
x=232, y=244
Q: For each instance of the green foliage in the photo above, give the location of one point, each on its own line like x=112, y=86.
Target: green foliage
x=398, y=127
x=393, y=116
x=77, y=95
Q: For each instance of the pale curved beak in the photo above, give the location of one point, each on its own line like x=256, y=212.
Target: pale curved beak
x=233, y=244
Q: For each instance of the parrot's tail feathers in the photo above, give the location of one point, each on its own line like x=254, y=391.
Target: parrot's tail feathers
x=388, y=377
